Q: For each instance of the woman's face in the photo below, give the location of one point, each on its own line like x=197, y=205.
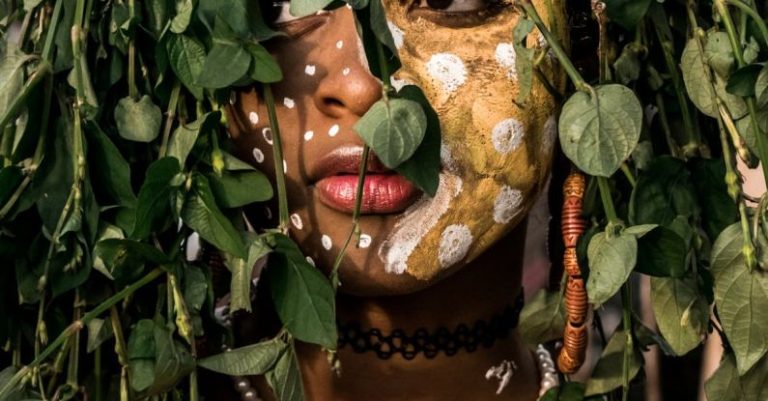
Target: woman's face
x=494, y=154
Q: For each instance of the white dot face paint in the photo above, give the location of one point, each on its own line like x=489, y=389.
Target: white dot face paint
x=258, y=155
x=326, y=241
x=285, y=166
x=418, y=220
x=397, y=34
x=345, y=71
x=310, y=261
x=309, y=135
x=253, y=117
x=454, y=245
x=289, y=103
x=310, y=69
x=334, y=130
x=365, y=241
x=507, y=135
x=296, y=221
x=507, y=204
x=507, y=58
x=232, y=98
x=340, y=44
x=448, y=69
x=267, y=134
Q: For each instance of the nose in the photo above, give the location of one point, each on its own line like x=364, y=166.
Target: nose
x=349, y=87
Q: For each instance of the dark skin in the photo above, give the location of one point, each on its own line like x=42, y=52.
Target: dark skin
x=339, y=92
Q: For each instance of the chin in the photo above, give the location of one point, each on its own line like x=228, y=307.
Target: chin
x=374, y=281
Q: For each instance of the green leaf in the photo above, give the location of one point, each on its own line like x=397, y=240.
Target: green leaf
x=201, y=213
x=99, y=331
x=285, y=378
x=110, y=171
x=608, y=374
x=524, y=58
x=697, y=80
x=761, y=88
x=185, y=135
x=543, y=318
x=568, y=391
x=681, y=312
x=393, y=129
x=242, y=272
x=742, y=82
x=719, y=53
x=124, y=260
x=662, y=253
x=264, y=67
x=380, y=27
x=628, y=66
x=138, y=120
x=663, y=192
x=718, y=210
x=157, y=16
x=303, y=296
x=154, y=196
x=611, y=259
x=727, y=385
x=187, y=58
x=226, y=63
x=639, y=231
x=301, y=8
x=11, y=78
x=195, y=287
x=627, y=13
x=254, y=359
x=741, y=297
x=600, y=131
x=173, y=361
x=184, y=10
x=235, y=189
x=423, y=168
x=141, y=355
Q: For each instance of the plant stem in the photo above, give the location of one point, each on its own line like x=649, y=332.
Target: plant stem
x=133, y=90
x=762, y=146
x=605, y=196
x=749, y=11
x=691, y=137
x=277, y=153
x=735, y=190
x=626, y=302
x=42, y=71
x=628, y=173
x=554, y=44
x=355, y=231
x=51, y=33
x=75, y=327
x=170, y=116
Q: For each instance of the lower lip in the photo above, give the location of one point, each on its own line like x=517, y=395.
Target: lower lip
x=382, y=193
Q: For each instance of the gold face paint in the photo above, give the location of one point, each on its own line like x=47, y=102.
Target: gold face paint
x=495, y=154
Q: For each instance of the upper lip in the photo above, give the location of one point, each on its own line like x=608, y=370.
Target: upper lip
x=344, y=161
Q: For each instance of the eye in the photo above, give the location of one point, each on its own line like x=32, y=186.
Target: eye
x=457, y=13
x=277, y=14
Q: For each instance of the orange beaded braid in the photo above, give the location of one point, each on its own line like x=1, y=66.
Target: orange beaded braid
x=576, y=308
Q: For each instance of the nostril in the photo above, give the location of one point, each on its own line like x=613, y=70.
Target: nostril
x=332, y=103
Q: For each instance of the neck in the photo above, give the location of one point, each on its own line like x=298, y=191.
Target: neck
x=478, y=291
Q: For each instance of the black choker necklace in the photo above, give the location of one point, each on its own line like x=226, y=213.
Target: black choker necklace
x=462, y=337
